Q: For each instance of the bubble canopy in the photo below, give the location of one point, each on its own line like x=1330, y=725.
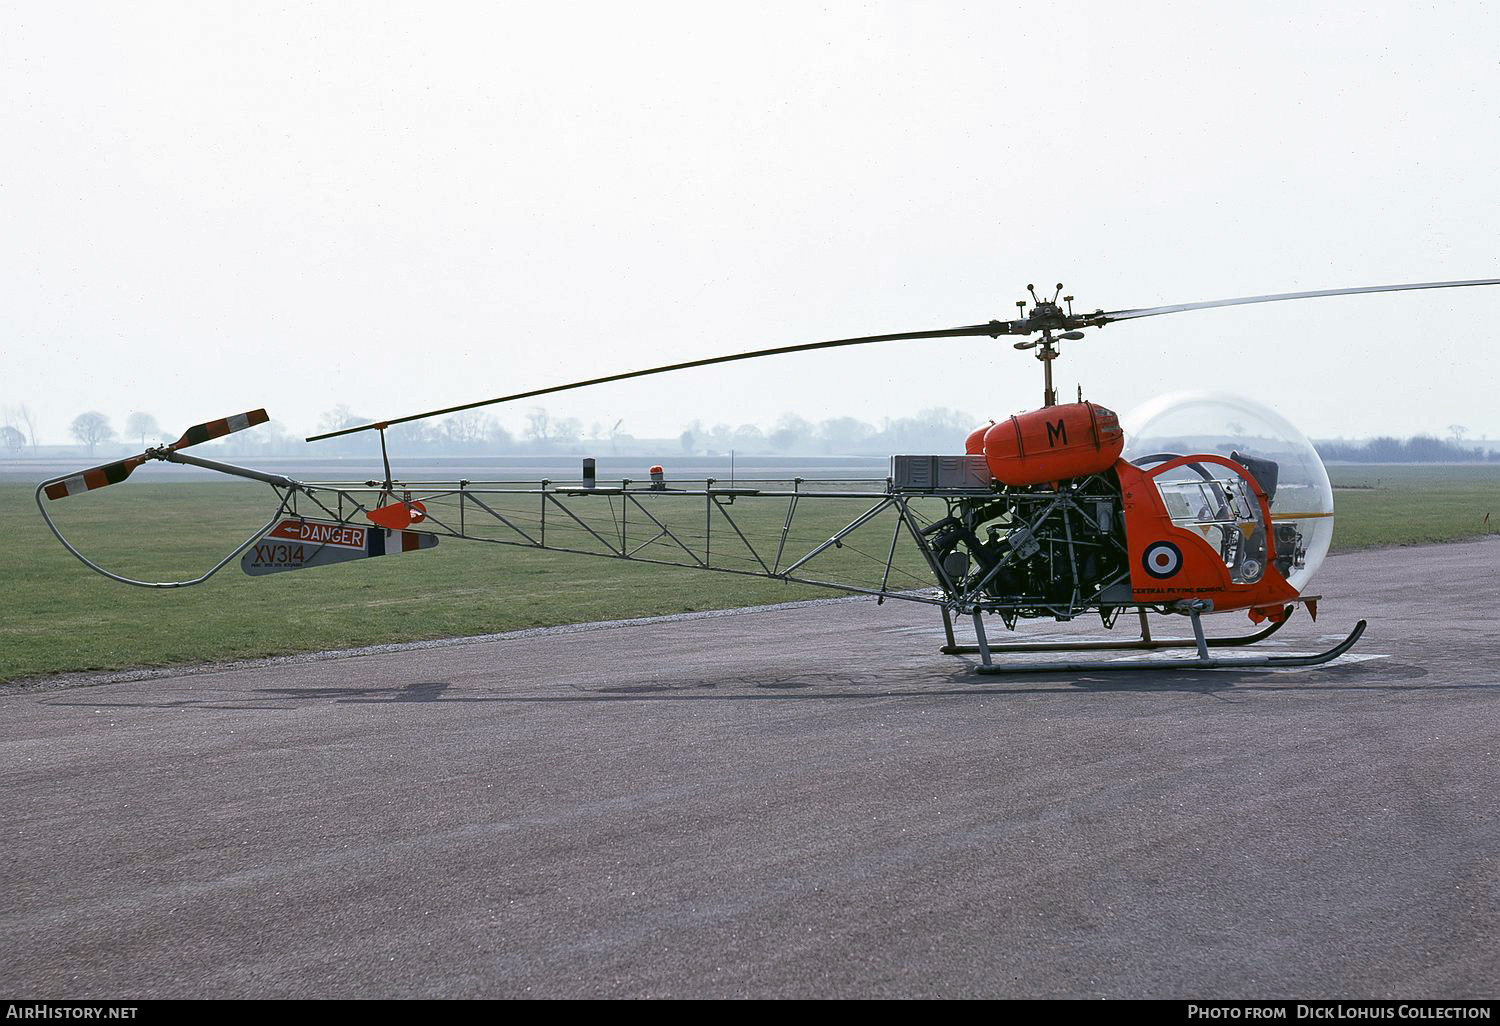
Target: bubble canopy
x=1184, y=423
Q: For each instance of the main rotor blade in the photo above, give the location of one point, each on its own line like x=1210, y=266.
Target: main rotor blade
x=1152, y=311
x=993, y=329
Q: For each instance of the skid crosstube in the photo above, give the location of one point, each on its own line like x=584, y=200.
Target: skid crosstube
x=1143, y=643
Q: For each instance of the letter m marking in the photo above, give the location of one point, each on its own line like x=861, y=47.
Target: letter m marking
x=1056, y=431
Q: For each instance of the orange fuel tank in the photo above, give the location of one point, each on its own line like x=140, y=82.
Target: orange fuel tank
x=1053, y=444
x=974, y=444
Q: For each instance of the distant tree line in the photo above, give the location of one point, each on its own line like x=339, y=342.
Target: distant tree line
x=473, y=431
x=935, y=430
x=1418, y=449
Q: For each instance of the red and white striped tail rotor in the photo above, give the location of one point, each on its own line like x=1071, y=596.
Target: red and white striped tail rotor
x=114, y=473
x=219, y=428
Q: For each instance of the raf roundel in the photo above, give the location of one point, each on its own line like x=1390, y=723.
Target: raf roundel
x=1162, y=559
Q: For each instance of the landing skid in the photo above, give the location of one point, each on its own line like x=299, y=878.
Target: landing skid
x=1202, y=643
x=1145, y=642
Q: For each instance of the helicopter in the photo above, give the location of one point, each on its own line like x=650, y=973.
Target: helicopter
x=1050, y=513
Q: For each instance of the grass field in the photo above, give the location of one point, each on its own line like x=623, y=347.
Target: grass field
x=60, y=617
x=1413, y=505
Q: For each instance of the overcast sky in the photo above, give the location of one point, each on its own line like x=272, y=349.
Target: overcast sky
x=208, y=208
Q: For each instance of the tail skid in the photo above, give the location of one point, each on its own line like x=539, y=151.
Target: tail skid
x=286, y=489
x=113, y=473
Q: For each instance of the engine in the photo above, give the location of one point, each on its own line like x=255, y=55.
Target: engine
x=1039, y=550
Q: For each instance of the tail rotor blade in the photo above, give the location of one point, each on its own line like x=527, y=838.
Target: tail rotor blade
x=199, y=433
x=114, y=473
x=88, y=480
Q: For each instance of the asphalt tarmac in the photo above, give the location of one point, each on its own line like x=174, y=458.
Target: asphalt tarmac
x=797, y=802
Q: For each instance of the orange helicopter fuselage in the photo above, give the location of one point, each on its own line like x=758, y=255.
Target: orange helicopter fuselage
x=1169, y=562
x=1197, y=571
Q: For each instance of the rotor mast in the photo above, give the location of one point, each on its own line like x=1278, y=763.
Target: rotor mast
x=1047, y=352
x=1045, y=317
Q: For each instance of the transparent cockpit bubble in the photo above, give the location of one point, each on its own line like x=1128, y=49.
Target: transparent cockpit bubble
x=1280, y=457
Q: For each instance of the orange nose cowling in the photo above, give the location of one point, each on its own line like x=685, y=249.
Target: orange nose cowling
x=1053, y=444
